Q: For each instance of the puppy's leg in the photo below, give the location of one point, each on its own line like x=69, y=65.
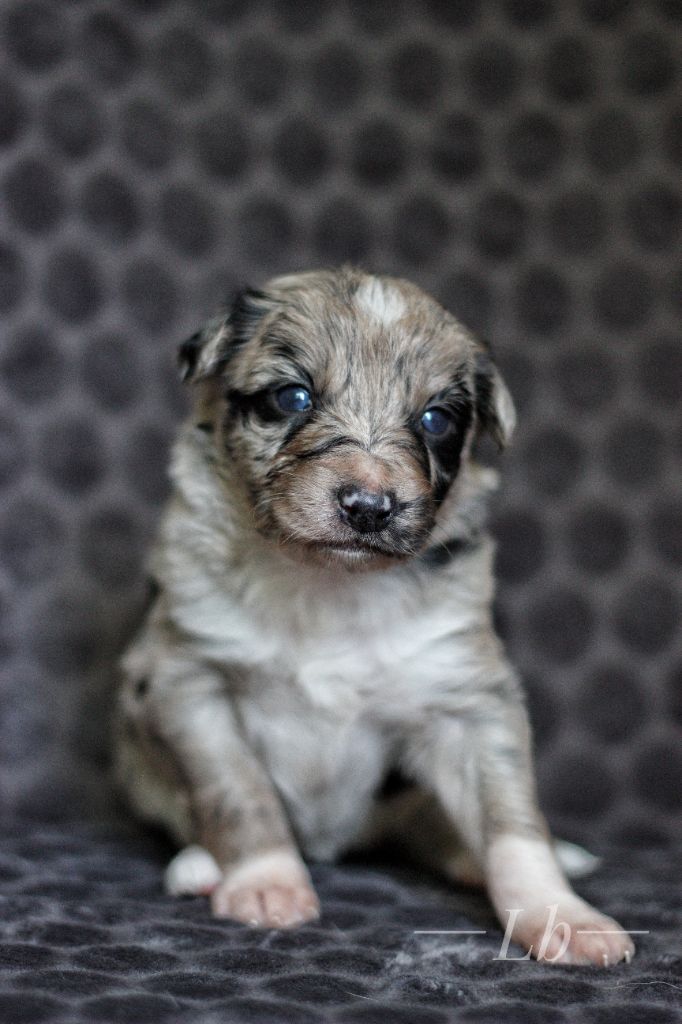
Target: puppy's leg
x=243, y=850
x=479, y=765
x=416, y=824
x=419, y=826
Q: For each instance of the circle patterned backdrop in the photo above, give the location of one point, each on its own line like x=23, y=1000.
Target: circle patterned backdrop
x=520, y=159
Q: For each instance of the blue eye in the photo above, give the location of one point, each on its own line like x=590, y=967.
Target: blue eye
x=294, y=398
x=435, y=421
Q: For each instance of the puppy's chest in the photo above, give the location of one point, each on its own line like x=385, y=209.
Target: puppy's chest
x=338, y=664
x=333, y=655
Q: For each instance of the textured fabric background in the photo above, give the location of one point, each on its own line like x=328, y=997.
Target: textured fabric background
x=85, y=935
x=519, y=158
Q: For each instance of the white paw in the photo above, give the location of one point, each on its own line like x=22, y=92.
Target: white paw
x=192, y=872
x=572, y=932
x=575, y=860
x=272, y=890
x=536, y=905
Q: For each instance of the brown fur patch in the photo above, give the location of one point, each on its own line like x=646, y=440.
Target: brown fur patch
x=374, y=353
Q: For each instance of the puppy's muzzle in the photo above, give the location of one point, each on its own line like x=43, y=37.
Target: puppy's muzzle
x=366, y=511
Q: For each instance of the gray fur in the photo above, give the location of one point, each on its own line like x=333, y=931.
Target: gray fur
x=291, y=666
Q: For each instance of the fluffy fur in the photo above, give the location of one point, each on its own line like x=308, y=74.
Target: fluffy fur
x=301, y=654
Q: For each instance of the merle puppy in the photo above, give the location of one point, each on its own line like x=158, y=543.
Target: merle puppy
x=323, y=617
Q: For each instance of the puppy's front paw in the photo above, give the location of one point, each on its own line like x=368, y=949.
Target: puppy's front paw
x=573, y=932
x=264, y=905
x=599, y=940
x=272, y=890
x=540, y=911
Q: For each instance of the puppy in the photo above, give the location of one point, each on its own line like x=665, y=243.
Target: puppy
x=322, y=625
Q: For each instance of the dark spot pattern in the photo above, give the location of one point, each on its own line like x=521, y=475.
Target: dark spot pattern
x=120, y=950
x=518, y=160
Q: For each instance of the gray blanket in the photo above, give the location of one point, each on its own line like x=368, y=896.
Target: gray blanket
x=86, y=933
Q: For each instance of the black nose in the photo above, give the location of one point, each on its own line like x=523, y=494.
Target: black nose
x=366, y=511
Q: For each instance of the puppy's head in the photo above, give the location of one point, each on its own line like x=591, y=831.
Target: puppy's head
x=346, y=404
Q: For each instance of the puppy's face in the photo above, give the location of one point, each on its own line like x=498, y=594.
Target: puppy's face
x=347, y=404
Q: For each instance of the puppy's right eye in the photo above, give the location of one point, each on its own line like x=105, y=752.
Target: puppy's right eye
x=436, y=421
x=294, y=398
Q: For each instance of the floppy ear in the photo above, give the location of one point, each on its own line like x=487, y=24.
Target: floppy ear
x=207, y=353
x=494, y=404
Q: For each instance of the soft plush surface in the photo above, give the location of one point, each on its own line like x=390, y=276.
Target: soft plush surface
x=521, y=160
x=86, y=934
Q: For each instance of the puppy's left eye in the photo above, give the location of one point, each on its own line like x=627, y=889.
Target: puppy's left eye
x=435, y=421
x=293, y=398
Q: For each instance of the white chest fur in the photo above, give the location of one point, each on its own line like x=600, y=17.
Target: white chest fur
x=329, y=671
x=339, y=642
x=328, y=667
